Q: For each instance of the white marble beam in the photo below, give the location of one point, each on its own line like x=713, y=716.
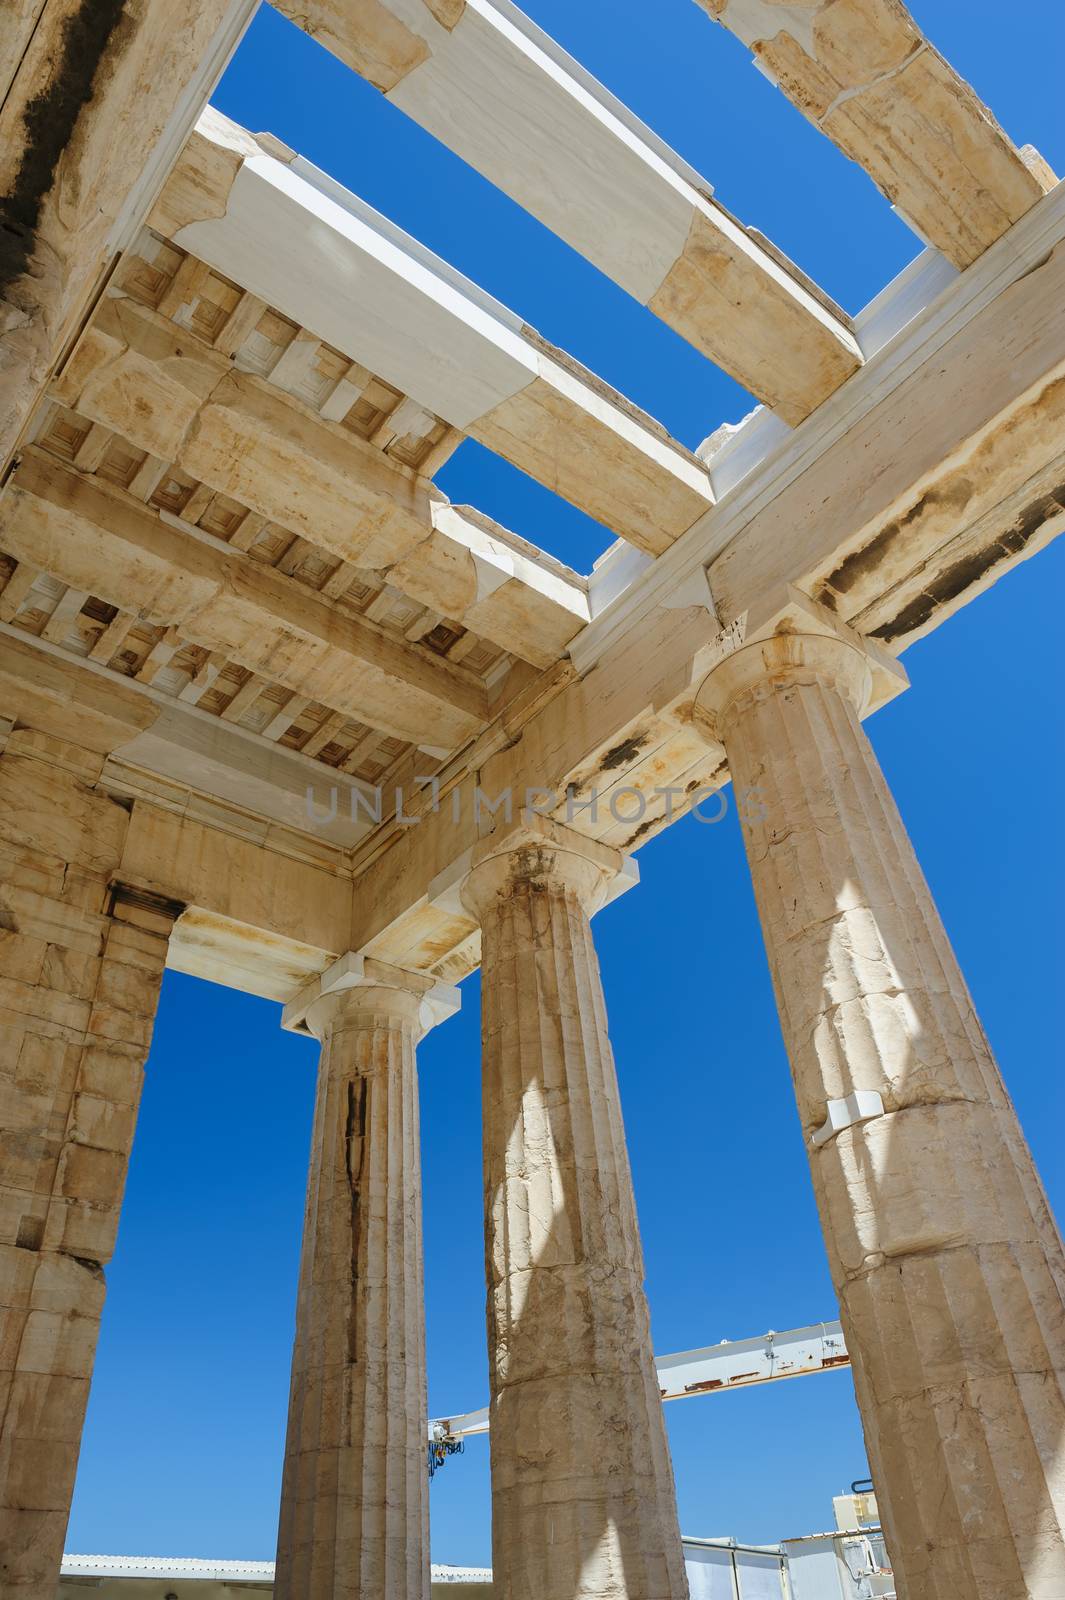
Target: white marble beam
x=290, y=234
x=489, y=84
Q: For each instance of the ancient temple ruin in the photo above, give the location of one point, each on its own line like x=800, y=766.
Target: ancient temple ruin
x=228, y=581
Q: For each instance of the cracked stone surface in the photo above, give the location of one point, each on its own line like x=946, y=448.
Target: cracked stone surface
x=583, y=1502
x=862, y=72
x=89, y=90
x=355, y=1492
x=79, y=981
x=945, y=1256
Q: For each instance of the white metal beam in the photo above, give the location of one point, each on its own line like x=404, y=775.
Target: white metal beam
x=732, y=1364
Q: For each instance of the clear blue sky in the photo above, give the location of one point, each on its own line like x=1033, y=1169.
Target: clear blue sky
x=182, y=1452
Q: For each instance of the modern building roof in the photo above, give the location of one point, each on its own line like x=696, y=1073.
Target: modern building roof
x=186, y=1567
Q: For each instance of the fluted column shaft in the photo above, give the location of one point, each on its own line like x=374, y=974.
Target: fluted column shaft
x=946, y=1259
x=354, y=1502
x=583, y=1502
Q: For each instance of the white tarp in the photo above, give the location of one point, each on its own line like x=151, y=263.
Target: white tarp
x=760, y=1576
x=814, y=1569
x=709, y=1573
x=715, y=1572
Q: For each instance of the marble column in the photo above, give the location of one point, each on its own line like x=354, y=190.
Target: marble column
x=946, y=1260
x=81, y=962
x=583, y=1502
x=354, y=1519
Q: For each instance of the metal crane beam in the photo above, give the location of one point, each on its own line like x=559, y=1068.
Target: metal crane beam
x=732, y=1364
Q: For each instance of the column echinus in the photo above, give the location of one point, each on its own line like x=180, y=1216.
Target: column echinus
x=354, y=1496
x=945, y=1256
x=583, y=1503
x=81, y=961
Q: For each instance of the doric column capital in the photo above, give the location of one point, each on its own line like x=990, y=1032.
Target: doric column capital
x=795, y=641
x=769, y=664
x=539, y=853
x=357, y=983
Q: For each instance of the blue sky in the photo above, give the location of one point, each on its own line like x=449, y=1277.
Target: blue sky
x=182, y=1450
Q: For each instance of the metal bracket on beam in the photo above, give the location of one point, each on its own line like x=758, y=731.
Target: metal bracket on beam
x=861, y=1106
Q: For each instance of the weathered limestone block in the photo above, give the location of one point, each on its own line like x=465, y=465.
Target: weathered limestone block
x=785, y=345
x=354, y=1499
x=379, y=47
x=583, y=1502
x=96, y=537
x=198, y=186
x=862, y=71
x=91, y=88
x=139, y=375
x=569, y=434
x=947, y=1261
x=471, y=569
x=81, y=961
x=171, y=394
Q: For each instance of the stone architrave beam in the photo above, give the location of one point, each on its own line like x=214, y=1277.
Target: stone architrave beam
x=96, y=100
x=97, y=538
x=171, y=394
x=868, y=78
x=284, y=230
x=980, y=473
x=504, y=96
